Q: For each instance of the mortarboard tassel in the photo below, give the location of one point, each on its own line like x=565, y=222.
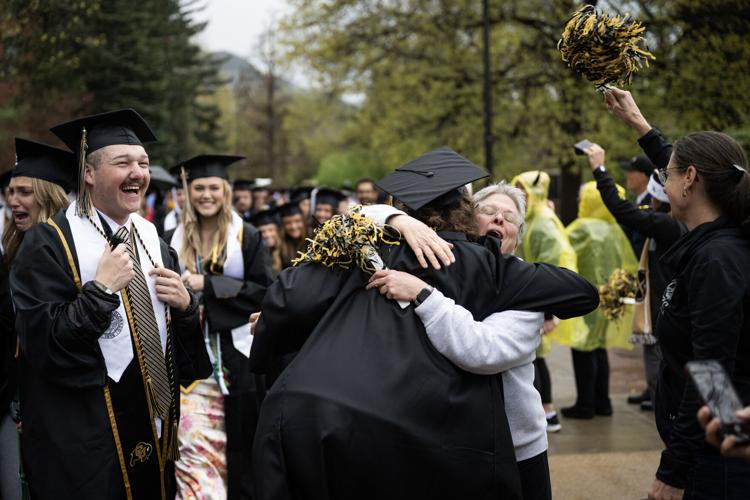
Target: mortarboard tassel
x=83, y=205
x=604, y=49
x=173, y=448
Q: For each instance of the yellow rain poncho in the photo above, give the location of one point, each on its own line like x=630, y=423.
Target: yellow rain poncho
x=544, y=240
x=601, y=247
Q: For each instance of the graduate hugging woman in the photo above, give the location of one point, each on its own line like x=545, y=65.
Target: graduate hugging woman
x=368, y=408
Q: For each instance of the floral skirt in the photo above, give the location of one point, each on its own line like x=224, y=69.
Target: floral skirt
x=201, y=471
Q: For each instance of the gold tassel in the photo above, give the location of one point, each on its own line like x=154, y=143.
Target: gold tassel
x=173, y=448
x=158, y=411
x=83, y=199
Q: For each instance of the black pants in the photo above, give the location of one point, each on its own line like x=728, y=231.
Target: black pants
x=591, y=371
x=535, y=481
x=542, y=380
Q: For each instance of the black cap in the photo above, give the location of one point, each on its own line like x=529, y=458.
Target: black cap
x=161, y=178
x=639, y=163
x=242, y=185
x=289, y=209
x=265, y=217
x=42, y=161
x=206, y=166
x=328, y=196
x=124, y=126
x=432, y=175
x=300, y=193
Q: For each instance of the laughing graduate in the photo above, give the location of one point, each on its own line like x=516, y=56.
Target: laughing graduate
x=107, y=329
x=368, y=409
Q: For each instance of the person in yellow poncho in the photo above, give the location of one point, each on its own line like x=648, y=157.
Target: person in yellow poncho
x=601, y=247
x=544, y=240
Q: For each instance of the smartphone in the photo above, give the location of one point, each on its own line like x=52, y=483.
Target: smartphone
x=579, y=147
x=716, y=389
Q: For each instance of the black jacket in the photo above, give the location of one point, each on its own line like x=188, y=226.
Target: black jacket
x=661, y=227
x=704, y=315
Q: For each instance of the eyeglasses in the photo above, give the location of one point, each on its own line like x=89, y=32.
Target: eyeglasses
x=661, y=173
x=491, y=211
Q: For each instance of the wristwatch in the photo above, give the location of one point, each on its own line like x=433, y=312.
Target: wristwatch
x=422, y=296
x=601, y=168
x=103, y=288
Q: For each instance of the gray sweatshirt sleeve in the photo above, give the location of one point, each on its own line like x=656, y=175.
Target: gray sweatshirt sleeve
x=502, y=341
x=380, y=213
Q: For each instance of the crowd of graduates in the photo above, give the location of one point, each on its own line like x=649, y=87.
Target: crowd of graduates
x=170, y=332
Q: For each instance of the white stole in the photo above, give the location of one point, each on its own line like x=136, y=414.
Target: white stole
x=115, y=341
x=234, y=267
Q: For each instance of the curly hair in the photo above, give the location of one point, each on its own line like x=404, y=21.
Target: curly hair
x=444, y=215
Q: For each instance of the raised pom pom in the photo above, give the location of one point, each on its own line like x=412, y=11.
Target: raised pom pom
x=604, y=49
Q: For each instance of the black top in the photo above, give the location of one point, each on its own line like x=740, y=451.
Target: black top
x=661, y=227
x=705, y=314
x=429, y=177
x=656, y=147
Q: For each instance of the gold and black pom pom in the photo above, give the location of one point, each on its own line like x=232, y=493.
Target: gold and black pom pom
x=604, y=49
x=349, y=239
x=616, y=293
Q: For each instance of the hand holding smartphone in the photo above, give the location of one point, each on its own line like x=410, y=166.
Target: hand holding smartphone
x=716, y=389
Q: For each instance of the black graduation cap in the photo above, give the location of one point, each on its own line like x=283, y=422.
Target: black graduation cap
x=86, y=135
x=300, y=193
x=243, y=185
x=42, y=161
x=206, y=166
x=432, y=175
x=328, y=196
x=124, y=126
x=289, y=209
x=265, y=217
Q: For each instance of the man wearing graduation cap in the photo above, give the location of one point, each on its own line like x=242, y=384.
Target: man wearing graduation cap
x=107, y=329
x=367, y=409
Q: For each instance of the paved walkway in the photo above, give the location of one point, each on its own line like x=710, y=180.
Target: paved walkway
x=608, y=458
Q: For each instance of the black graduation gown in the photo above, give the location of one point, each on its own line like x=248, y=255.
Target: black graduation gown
x=228, y=303
x=68, y=448
x=368, y=409
x=7, y=342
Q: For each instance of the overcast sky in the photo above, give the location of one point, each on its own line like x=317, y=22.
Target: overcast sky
x=234, y=25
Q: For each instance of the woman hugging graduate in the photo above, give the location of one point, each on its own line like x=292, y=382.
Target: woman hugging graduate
x=368, y=408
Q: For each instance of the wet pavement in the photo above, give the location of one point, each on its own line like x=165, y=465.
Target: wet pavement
x=608, y=458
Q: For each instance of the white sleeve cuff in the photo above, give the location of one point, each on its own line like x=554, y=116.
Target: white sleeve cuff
x=242, y=338
x=380, y=213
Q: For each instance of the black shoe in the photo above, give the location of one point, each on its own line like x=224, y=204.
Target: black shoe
x=576, y=412
x=604, y=411
x=647, y=405
x=553, y=423
x=636, y=399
